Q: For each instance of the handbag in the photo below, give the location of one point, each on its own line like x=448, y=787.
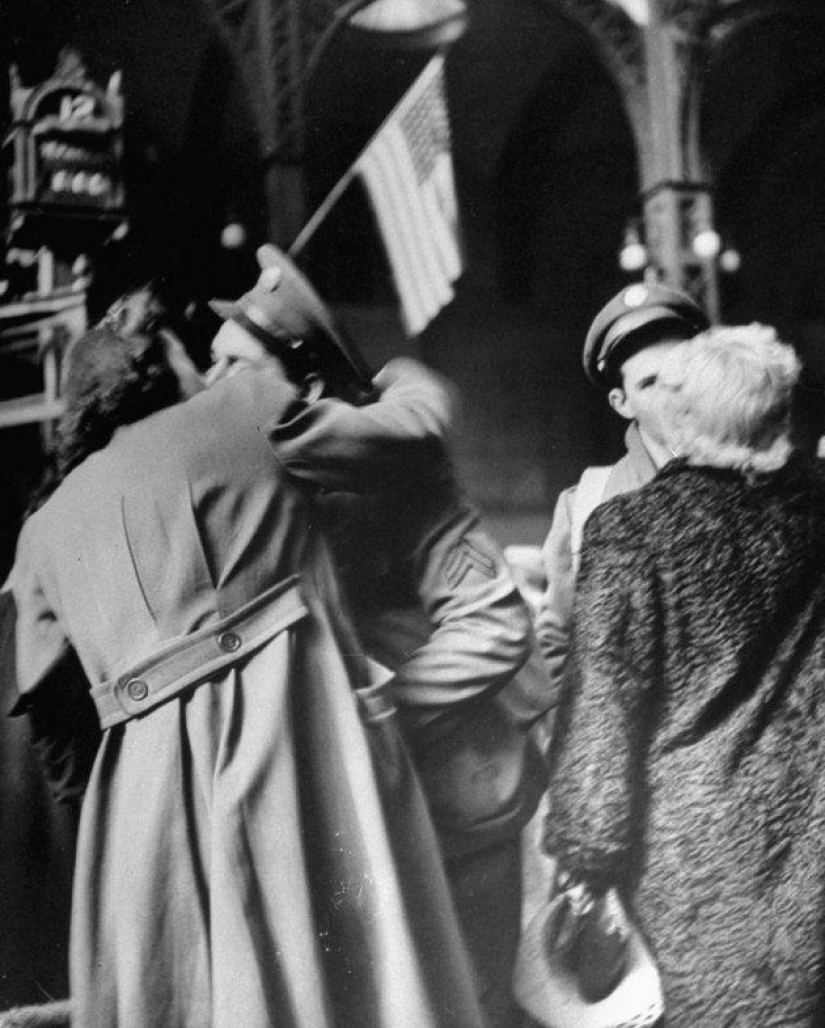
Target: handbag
x=581, y=963
x=591, y=936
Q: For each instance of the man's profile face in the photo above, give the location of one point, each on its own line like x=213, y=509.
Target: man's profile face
x=233, y=349
x=642, y=395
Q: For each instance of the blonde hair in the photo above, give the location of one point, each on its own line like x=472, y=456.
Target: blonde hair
x=732, y=392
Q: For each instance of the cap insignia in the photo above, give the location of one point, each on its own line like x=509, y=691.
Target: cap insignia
x=270, y=278
x=635, y=295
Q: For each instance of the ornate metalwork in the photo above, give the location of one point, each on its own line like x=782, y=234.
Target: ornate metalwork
x=616, y=35
x=674, y=213
x=657, y=67
x=272, y=40
x=65, y=159
x=687, y=16
x=727, y=16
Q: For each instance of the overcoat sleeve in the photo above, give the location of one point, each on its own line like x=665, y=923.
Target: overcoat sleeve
x=52, y=687
x=398, y=439
x=598, y=757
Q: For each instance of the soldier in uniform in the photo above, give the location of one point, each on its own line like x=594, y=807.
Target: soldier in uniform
x=628, y=342
x=412, y=558
x=253, y=845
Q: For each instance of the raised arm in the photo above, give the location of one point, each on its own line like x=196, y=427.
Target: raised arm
x=472, y=631
x=335, y=446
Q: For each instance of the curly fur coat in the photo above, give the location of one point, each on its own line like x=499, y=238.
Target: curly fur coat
x=690, y=757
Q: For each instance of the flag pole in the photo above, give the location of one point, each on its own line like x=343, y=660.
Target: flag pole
x=308, y=231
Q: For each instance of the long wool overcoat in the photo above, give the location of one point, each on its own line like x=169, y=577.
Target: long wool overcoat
x=237, y=862
x=690, y=759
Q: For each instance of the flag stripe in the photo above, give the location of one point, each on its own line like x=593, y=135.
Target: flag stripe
x=414, y=268
x=399, y=163
x=400, y=249
x=414, y=301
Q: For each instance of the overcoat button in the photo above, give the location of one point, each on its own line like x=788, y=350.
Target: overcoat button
x=229, y=641
x=137, y=689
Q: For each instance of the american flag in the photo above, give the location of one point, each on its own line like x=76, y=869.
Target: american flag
x=408, y=171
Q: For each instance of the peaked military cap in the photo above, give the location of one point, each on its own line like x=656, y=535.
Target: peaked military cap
x=283, y=311
x=634, y=308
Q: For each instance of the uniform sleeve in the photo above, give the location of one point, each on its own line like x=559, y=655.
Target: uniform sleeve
x=555, y=615
x=41, y=643
x=476, y=628
x=397, y=439
x=481, y=629
x=52, y=687
x=599, y=745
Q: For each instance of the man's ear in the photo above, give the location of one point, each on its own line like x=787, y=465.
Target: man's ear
x=312, y=387
x=617, y=398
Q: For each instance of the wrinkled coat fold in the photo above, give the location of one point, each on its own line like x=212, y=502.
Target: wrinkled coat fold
x=237, y=861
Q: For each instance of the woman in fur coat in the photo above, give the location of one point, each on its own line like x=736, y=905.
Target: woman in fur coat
x=689, y=769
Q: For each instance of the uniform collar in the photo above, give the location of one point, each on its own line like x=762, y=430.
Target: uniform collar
x=643, y=463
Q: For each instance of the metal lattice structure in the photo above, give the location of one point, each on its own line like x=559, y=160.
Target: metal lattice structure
x=656, y=62
x=272, y=40
x=653, y=66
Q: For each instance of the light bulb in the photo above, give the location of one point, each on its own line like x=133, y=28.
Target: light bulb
x=233, y=235
x=730, y=260
x=706, y=244
x=632, y=256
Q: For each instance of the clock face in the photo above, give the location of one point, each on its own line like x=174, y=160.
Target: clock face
x=70, y=105
x=75, y=151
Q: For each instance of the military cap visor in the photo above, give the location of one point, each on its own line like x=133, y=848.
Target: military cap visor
x=271, y=331
x=631, y=323
x=282, y=306
x=635, y=308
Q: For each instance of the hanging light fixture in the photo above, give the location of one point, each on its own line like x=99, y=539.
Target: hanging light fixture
x=233, y=235
x=633, y=254
x=730, y=260
x=412, y=23
x=406, y=24
x=706, y=244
